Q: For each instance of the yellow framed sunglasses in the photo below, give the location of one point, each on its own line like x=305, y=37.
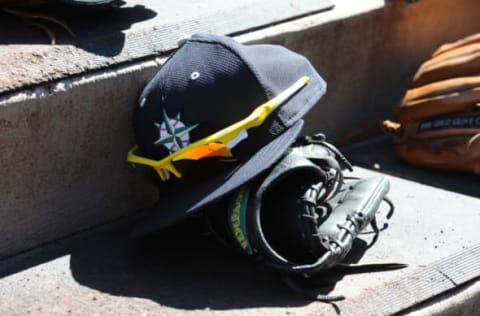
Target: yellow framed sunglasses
x=219, y=143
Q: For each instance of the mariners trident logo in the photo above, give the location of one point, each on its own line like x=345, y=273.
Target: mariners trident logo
x=173, y=134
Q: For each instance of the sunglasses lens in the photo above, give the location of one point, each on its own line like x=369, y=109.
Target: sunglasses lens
x=205, y=151
x=203, y=168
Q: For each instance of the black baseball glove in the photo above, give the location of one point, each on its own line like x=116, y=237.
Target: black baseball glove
x=302, y=217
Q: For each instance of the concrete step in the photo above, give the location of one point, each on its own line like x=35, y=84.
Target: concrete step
x=64, y=135
x=184, y=272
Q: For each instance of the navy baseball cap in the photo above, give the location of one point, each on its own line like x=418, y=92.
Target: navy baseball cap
x=209, y=83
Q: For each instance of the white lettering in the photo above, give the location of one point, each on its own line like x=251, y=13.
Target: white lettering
x=426, y=125
x=442, y=122
x=462, y=121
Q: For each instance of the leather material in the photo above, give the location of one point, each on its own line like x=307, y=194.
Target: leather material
x=472, y=39
x=363, y=197
x=274, y=209
x=91, y=3
x=88, y=3
x=461, y=62
x=439, y=115
x=302, y=217
x=353, y=208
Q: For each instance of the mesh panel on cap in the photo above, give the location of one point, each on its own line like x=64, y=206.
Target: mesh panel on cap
x=203, y=85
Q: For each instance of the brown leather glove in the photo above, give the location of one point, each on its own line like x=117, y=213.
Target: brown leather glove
x=439, y=116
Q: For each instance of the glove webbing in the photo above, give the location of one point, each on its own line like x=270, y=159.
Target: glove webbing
x=320, y=139
x=348, y=230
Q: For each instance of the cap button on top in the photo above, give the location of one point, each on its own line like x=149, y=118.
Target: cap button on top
x=194, y=75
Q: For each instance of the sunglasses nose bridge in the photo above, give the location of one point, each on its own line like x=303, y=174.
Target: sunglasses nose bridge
x=162, y=171
x=170, y=167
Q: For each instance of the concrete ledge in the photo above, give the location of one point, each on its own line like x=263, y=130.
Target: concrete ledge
x=64, y=143
x=63, y=152
x=463, y=301
x=139, y=29
x=104, y=273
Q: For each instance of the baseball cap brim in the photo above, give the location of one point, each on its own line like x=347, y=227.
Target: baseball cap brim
x=178, y=202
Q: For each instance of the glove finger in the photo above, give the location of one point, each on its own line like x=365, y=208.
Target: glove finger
x=472, y=39
x=462, y=62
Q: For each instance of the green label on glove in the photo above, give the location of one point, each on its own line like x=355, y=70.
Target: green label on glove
x=237, y=218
